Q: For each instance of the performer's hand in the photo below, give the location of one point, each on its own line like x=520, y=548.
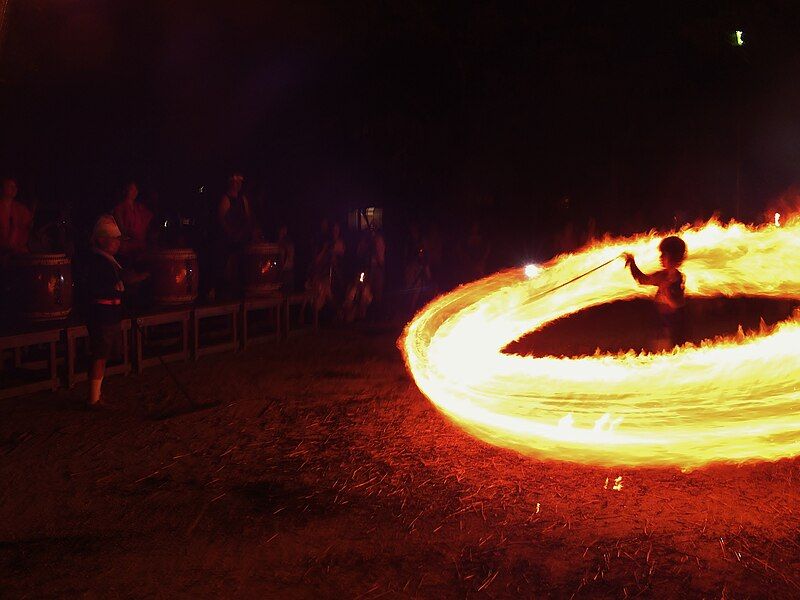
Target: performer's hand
x=628, y=258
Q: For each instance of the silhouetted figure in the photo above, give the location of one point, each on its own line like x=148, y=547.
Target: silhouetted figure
x=327, y=281
x=670, y=296
x=133, y=219
x=591, y=231
x=105, y=294
x=320, y=240
x=434, y=249
x=335, y=256
x=417, y=275
x=376, y=263
x=286, y=250
x=366, y=286
x=234, y=231
x=476, y=253
x=57, y=234
x=15, y=220
x=234, y=216
x=566, y=239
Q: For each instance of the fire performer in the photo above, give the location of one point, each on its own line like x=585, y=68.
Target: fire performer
x=105, y=300
x=670, y=297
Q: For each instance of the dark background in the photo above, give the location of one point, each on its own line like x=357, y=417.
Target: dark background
x=634, y=113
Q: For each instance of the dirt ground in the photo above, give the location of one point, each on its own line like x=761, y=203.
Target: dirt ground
x=314, y=468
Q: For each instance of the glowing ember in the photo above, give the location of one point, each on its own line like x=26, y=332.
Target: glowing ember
x=732, y=400
x=532, y=270
x=777, y=219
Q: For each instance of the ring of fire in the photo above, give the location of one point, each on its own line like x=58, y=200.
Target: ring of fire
x=731, y=400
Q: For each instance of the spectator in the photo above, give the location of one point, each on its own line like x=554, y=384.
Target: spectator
x=15, y=220
x=105, y=292
x=234, y=230
x=476, y=253
x=286, y=250
x=133, y=219
x=234, y=217
x=376, y=263
x=57, y=234
x=327, y=280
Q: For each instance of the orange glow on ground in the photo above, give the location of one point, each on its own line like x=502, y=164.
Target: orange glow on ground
x=732, y=400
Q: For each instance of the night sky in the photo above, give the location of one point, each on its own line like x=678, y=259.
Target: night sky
x=427, y=107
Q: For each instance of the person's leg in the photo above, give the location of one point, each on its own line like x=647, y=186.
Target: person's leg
x=662, y=341
x=101, y=339
x=97, y=370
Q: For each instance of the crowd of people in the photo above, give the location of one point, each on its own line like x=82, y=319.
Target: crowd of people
x=345, y=273
x=112, y=260
x=344, y=270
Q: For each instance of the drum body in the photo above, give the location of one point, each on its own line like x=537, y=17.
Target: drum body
x=261, y=269
x=173, y=276
x=41, y=286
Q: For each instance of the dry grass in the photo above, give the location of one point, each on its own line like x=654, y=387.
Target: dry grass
x=322, y=472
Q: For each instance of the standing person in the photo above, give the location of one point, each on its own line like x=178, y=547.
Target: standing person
x=320, y=241
x=434, y=249
x=234, y=217
x=133, y=219
x=670, y=296
x=105, y=291
x=376, y=264
x=336, y=251
x=476, y=252
x=15, y=220
x=286, y=250
x=327, y=281
x=235, y=228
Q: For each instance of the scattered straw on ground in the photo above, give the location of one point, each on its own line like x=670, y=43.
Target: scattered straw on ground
x=322, y=472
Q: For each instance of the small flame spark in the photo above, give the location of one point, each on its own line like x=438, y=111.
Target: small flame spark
x=532, y=270
x=777, y=219
x=361, y=278
x=618, y=484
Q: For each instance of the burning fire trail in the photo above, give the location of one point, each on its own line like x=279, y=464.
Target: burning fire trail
x=732, y=400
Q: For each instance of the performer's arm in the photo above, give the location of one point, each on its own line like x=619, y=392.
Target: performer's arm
x=641, y=278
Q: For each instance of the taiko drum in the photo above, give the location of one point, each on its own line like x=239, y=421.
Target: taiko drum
x=174, y=276
x=261, y=269
x=41, y=286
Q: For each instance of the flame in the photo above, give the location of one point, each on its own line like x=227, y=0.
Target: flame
x=532, y=270
x=777, y=219
x=731, y=400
